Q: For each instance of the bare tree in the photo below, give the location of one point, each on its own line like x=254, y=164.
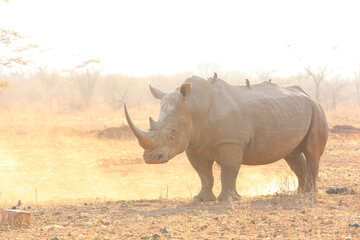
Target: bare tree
x=356, y=81
x=7, y=39
x=318, y=75
x=48, y=82
x=87, y=74
x=10, y=53
x=300, y=79
x=335, y=87
x=116, y=89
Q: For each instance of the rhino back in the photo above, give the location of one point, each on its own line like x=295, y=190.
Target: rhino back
x=268, y=120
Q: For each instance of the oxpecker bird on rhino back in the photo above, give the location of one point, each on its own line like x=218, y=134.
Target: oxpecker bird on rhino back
x=215, y=121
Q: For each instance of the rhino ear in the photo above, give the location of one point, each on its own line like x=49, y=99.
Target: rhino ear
x=185, y=89
x=156, y=92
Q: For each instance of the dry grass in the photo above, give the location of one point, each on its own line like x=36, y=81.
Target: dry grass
x=94, y=189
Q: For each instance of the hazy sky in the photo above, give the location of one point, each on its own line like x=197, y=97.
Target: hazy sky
x=148, y=37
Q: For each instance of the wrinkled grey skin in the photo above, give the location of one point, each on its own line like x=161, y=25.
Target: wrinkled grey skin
x=214, y=121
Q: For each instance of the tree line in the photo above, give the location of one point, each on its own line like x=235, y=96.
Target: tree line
x=86, y=86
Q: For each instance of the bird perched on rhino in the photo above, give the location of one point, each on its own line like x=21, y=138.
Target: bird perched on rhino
x=213, y=79
x=248, y=83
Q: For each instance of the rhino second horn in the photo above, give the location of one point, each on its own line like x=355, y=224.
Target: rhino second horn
x=152, y=123
x=142, y=136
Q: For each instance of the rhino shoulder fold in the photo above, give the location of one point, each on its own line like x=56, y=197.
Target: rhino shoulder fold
x=296, y=88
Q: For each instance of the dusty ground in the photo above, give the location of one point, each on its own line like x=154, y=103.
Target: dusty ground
x=81, y=187
x=274, y=216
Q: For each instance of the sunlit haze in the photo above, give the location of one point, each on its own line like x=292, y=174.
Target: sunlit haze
x=166, y=37
x=106, y=134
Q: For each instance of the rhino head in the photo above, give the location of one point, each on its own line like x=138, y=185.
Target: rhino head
x=171, y=133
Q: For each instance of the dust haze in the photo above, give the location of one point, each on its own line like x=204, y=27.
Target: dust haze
x=52, y=149
x=50, y=157
x=67, y=67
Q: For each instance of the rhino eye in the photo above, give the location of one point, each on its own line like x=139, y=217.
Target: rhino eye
x=172, y=134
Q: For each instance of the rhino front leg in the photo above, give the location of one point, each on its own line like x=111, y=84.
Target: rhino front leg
x=229, y=158
x=203, y=167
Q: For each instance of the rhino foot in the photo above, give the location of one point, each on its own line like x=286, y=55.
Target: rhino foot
x=228, y=195
x=204, y=196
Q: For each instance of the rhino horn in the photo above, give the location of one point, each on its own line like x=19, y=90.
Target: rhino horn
x=152, y=123
x=156, y=92
x=142, y=136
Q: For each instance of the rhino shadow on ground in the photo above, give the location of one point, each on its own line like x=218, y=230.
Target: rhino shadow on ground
x=154, y=208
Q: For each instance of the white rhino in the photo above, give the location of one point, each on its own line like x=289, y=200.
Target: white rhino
x=214, y=121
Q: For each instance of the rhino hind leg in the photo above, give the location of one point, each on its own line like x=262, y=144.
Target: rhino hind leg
x=298, y=165
x=312, y=164
x=305, y=167
x=313, y=149
x=203, y=167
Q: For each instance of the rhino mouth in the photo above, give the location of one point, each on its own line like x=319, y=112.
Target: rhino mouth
x=151, y=158
x=155, y=161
